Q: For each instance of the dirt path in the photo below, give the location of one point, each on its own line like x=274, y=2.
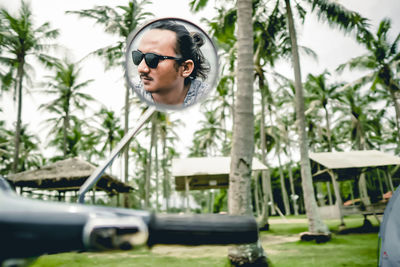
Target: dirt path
x=267, y=241
x=291, y=220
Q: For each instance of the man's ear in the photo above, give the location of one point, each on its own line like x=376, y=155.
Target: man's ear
x=188, y=67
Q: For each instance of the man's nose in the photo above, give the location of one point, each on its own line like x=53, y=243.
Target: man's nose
x=142, y=67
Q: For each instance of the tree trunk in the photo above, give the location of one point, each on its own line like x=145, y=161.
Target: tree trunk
x=256, y=193
x=396, y=101
x=315, y=223
x=389, y=178
x=149, y=163
x=156, y=171
x=270, y=193
x=320, y=195
x=266, y=175
x=328, y=188
x=339, y=202
x=165, y=171
x=362, y=183
x=65, y=130
x=330, y=147
x=328, y=129
x=17, y=139
x=262, y=219
x=243, y=137
x=126, y=152
x=293, y=194
x=285, y=197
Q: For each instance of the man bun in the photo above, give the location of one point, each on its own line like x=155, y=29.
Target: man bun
x=197, y=39
x=187, y=47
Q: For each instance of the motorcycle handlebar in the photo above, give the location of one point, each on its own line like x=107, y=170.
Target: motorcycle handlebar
x=32, y=227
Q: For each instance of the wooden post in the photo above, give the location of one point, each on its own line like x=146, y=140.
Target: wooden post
x=380, y=182
x=211, y=201
x=94, y=195
x=187, y=181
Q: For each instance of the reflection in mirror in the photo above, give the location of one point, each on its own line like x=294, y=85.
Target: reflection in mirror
x=171, y=63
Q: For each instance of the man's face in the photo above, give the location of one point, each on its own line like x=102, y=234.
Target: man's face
x=165, y=77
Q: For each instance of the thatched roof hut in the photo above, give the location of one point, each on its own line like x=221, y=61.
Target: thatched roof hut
x=66, y=175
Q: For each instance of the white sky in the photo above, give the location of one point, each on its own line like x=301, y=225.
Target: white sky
x=81, y=36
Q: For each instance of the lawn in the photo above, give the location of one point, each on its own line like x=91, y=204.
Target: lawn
x=281, y=244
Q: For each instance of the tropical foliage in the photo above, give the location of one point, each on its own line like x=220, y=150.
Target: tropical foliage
x=255, y=111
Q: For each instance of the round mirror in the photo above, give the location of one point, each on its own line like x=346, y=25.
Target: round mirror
x=171, y=63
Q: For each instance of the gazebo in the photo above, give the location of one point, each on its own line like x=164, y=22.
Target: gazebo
x=205, y=173
x=66, y=175
x=341, y=166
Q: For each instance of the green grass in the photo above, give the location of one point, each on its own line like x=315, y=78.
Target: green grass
x=123, y=259
x=286, y=250
x=342, y=250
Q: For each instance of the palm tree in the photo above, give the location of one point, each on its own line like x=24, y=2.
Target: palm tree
x=346, y=20
x=364, y=122
x=153, y=144
x=109, y=130
x=217, y=111
x=30, y=156
x=268, y=48
x=363, y=126
x=5, y=150
x=222, y=101
x=243, y=135
x=120, y=21
x=161, y=132
x=168, y=138
x=19, y=41
x=77, y=143
x=316, y=225
x=382, y=62
x=210, y=132
x=320, y=94
x=66, y=88
x=140, y=156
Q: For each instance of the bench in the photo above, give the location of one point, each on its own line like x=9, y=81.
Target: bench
x=365, y=210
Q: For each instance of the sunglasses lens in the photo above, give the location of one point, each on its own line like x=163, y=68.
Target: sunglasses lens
x=137, y=57
x=151, y=60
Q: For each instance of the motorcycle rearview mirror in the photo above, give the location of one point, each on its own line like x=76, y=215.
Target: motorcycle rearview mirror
x=171, y=64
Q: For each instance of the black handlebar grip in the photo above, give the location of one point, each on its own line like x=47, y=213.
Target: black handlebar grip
x=25, y=234
x=202, y=229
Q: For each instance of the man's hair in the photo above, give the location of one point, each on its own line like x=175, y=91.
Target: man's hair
x=187, y=46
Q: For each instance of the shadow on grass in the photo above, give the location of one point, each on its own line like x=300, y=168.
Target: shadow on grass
x=366, y=228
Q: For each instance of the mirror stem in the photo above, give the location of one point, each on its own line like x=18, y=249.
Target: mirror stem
x=92, y=180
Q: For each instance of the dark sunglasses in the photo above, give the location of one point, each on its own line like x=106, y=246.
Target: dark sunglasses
x=151, y=59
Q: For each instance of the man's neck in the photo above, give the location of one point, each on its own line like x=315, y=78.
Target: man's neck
x=172, y=97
